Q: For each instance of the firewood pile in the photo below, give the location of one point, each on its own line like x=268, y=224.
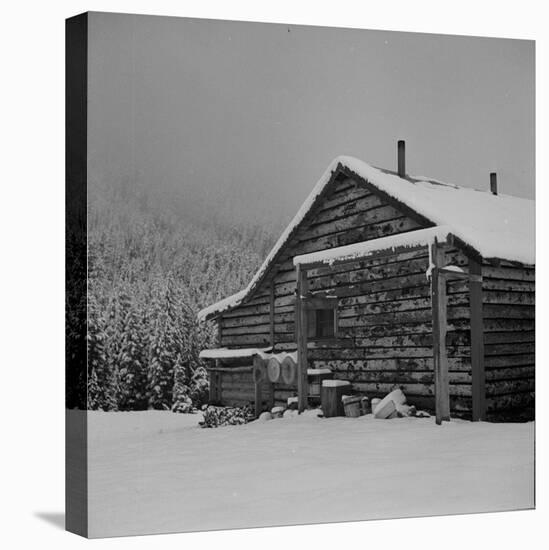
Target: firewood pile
x=215, y=417
x=393, y=405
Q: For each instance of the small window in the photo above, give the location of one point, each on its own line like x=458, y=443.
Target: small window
x=322, y=323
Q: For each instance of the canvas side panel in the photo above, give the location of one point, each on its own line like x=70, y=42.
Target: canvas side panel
x=509, y=340
x=76, y=66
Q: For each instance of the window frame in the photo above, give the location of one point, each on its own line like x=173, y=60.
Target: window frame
x=314, y=304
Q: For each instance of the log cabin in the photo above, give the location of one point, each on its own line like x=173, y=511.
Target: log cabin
x=389, y=281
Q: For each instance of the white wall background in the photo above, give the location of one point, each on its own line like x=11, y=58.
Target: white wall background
x=32, y=268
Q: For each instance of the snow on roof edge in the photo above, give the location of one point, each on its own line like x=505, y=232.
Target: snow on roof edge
x=236, y=299
x=365, y=248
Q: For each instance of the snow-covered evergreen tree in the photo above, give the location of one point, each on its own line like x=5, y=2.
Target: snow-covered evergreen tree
x=149, y=272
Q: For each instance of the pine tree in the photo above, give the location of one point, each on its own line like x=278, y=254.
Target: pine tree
x=132, y=375
x=150, y=270
x=101, y=383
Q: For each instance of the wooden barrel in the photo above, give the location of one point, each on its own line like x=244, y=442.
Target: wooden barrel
x=273, y=369
x=259, y=373
x=351, y=405
x=288, y=370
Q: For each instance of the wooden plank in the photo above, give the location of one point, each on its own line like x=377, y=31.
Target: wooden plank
x=512, y=400
x=509, y=325
x=301, y=320
x=413, y=390
x=358, y=234
x=508, y=285
x=518, y=348
x=242, y=330
x=214, y=390
x=314, y=303
x=219, y=332
x=244, y=310
x=380, y=307
x=272, y=312
x=511, y=373
x=505, y=387
x=325, y=270
x=440, y=358
x=258, y=363
x=509, y=360
x=344, y=197
x=477, y=344
x=401, y=377
x=362, y=218
x=230, y=370
x=343, y=288
x=509, y=337
x=512, y=273
x=347, y=208
x=271, y=395
x=354, y=296
x=350, y=319
x=509, y=297
x=361, y=182
x=253, y=340
x=392, y=364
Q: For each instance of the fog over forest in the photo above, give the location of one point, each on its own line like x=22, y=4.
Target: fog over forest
x=244, y=118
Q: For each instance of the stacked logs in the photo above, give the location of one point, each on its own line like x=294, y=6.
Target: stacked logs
x=271, y=369
x=281, y=368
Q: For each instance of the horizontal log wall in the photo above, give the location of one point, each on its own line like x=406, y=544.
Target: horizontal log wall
x=385, y=308
x=385, y=328
x=509, y=340
x=347, y=215
x=237, y=389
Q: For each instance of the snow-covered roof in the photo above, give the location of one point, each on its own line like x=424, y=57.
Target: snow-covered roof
x=496, y=226
x=366, y=248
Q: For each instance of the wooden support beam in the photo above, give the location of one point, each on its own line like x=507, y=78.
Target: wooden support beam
x=258, y=363
x=230, y=370
x=301, y=326
x=477, y=343
x=214, y=389
x=316, y=302
x=271, y=398
x=440, y=357
x=219, y=335
x=382, y=253
x=272, y=312
x=450, y=273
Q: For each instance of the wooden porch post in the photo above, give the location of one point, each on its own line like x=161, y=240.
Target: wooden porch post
x=272, y=313
x=301, y=333
x=213, y=397
x=258, y=363
x=477, y=342
x=440, y=357
x=271, y=386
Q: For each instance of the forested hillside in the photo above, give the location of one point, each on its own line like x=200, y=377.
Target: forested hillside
x=154, y=260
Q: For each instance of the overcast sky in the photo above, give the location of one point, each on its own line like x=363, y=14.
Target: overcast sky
x=252, y=114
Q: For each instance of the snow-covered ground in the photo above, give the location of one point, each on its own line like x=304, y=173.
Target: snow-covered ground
x=152, y=472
